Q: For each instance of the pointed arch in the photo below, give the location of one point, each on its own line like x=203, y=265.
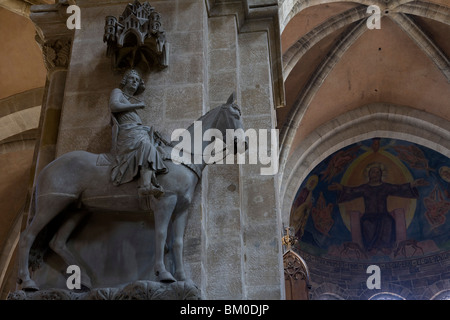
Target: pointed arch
x=302, y=102
x=369, y=121
x=292, y=56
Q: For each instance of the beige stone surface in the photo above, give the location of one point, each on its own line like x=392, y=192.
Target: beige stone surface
x=21, y=66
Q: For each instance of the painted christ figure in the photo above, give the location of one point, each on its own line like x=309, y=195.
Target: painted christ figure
x=377, y=225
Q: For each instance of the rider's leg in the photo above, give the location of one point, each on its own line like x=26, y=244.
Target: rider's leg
x=145, y=177
x=148, y=183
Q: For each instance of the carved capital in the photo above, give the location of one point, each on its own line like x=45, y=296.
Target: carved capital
x=56, y=53
x=52, y=34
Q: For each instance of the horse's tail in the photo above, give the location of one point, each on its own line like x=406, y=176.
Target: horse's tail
x=39, y=247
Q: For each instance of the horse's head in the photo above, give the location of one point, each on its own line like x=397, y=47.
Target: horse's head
x=229, y=122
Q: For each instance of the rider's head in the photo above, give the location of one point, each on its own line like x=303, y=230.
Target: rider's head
x=133, y=81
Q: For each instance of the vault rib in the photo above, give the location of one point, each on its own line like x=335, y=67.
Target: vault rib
x=299, y=48
x=424, y=42
x=427, y=10
x=315, y=82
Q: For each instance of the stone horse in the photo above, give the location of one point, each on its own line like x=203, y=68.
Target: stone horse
x=76, y=178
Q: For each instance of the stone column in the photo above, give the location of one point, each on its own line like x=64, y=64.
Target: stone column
x=55, y=40
x=243, y=257
x=223, y=244
x=259, y=193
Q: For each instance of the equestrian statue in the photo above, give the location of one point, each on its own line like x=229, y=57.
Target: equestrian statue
x=138, y=175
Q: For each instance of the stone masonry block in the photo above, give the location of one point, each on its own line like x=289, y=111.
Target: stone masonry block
x=221, y=85
x=222, y=60
x=190, y=15
x=86, y=110
x=223, y=190
x=91, y=139
x=187, y=98
x=223, y=32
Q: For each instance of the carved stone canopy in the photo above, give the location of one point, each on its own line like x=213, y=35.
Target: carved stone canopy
x=136, y=39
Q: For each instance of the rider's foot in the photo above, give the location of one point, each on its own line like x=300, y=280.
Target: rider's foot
x=164, y=276
x=146, y=190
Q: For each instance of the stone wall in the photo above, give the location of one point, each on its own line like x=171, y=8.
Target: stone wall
x=232, y=247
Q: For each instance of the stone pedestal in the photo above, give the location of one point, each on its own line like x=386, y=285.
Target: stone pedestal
x=138, y=290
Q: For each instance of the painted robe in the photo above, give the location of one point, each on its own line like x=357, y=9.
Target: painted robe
x=377, y=225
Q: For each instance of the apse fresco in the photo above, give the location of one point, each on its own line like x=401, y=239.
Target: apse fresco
x=376, y=200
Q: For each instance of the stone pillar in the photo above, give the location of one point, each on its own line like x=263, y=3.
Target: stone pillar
x=55, y=40
x=259, y=195
x=223, y=243
x=243, y=257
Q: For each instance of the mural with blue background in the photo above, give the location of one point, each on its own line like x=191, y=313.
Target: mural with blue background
x=329, y=211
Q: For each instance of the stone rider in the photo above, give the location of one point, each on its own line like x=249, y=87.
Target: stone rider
x=136, y=150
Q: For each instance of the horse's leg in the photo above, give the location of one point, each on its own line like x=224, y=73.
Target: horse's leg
x=163, y=209
x=47, y=207
x=59, y=240
x=179, y=226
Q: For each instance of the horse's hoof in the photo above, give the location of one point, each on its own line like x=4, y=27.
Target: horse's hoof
x=164, y=276
x=180, y=276
x=29, y=285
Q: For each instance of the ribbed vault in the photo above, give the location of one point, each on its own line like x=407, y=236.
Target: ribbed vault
x=346, y=83
x=309, y=81
x=369, y=121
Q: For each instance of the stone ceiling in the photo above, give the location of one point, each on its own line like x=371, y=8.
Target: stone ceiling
x=333, y=65
x=345, y=83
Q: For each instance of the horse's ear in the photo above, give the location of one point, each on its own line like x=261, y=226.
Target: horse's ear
x=232, y=98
